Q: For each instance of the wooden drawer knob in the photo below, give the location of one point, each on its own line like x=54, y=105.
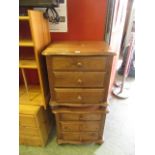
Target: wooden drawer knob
x=79, y=81
x=79, y=98
x=79, y=64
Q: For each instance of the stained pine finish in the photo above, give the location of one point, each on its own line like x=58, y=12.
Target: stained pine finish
x=72, y=63
x=79, y=75
x=79, y=79
x=80, y=125
x=73, y=126
x=78, y=95
x=80, y=48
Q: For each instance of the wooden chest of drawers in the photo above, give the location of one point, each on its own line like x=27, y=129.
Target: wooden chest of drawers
x=80, y=125
x=34, y=125
x=79, y=77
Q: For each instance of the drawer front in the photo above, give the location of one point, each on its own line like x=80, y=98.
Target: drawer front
x=91, y=117
x=88, y=96
x=90, y=126
x=70, y=63
x=68, y=117
x=27, y=120
x=89, y=136
x=69, y=127
x=79, y=79
x=70, y=136
x=85, y=136
x=80, y=117
x=28, y=131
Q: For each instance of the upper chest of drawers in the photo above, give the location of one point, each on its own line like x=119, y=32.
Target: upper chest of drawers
x=79, y=71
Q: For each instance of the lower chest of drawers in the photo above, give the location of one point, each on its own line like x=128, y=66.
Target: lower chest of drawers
x=80, y=126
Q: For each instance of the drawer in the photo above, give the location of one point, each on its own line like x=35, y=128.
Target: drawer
x=89, y=136
x=70, y=63
x=90, y=126
x=88, y=96
x=79, y=79
x=80, y=126
x=29, y=140
x=27, y=120
x=28, y=131
x=70, y=136
x=85, y=136
x=70, y=126
x=80, y=117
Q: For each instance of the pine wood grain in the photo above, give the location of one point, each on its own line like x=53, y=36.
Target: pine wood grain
x=78, y=48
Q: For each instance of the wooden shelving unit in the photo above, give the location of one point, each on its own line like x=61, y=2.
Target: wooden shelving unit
x=34, y=119
x=34, y=33
x=31, y=96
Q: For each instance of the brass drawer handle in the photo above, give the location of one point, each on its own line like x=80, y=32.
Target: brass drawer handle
x=79, y=98
x=79, y=81
x=79, y=64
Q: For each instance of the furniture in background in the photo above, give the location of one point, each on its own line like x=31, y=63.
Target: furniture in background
x=34, y=126
x=79, y=76
x=34, y=118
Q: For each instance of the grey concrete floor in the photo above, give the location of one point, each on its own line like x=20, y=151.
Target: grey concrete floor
x=118, y=133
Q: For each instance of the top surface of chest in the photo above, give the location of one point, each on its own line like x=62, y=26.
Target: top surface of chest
x=78, y=48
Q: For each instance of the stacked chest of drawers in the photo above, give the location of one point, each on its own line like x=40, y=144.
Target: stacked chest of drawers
x=79, y=77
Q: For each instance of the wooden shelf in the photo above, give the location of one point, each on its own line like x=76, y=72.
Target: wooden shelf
x=33, y=96
x=28, y=43
x=32, y=40
x=27, y=64
x=23, y=17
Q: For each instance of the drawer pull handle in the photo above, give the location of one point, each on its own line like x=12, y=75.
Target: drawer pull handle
x=79, y=64
x=79, y=98
x=79, y=81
